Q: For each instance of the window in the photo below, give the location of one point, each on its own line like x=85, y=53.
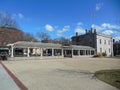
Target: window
x=109, y=50
x=109, y=42
x=100, y=41
x=92, y=52
x=104, y=41
x=101, y=50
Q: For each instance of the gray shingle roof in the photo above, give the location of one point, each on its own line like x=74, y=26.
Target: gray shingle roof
x=36, y=44
x=23, y=44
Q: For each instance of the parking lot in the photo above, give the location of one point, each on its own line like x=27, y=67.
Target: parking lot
x=62, y=74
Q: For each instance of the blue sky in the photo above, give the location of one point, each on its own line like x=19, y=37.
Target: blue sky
x=62, y=18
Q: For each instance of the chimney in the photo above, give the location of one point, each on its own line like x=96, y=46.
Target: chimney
x=76, y=33
x=113, y=40
x=94, y=30
x=86, y=31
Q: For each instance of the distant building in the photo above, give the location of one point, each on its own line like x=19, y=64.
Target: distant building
x=51, y=41
x=116, y=48
x=9, y=35
x=101, y=42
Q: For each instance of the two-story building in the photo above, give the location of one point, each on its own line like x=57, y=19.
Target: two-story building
x=101, y=42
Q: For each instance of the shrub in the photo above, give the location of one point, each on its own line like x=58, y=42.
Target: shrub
x=104, y=54
x=100, y=55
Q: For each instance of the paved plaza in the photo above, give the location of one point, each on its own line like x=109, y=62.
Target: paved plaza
x=62, y=74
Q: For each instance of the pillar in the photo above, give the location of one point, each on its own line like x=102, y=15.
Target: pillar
x=12, y=51
x=72, y=52
x=28, y=51
x=52, y=52
x=41, y=53
x=85, y=52
x=78, y=52
x=112, y=51
x=62, y=52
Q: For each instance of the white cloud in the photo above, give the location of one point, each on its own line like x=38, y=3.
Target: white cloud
x=117, y=38
x=110, y=26
x=105, y=25
x=65, y=29
x=98, y=28
x=80, y=30
x=49, y=27
x=98, y=6
x=79, y=23
x=108, y=32
x=107, y=28
x=20, y=15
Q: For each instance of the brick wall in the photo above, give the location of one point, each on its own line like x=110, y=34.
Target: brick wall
x=10, y=35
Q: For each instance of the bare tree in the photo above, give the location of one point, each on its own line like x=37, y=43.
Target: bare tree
x=63, y=40
x=29, y=37
x=6, y=20
x=43, y=37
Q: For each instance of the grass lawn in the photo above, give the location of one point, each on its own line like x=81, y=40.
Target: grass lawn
x=116, y=57
x=111, y=77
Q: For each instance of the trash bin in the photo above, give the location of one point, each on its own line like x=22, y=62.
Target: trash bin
x=3, y=56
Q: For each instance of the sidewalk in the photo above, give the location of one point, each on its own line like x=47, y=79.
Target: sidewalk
x=6, y=82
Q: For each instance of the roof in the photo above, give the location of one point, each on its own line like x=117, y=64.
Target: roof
x=104, y=35
x=82, y=47
x=4, y=48
x=24, y=44
x=78, y=47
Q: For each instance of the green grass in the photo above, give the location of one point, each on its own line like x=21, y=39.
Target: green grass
x=116, y=57
x=111, y=77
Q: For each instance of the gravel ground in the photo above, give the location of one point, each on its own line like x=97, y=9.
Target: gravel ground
x=62, y=74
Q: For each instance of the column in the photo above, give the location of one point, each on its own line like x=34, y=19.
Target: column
x=62, y=52
x=41, y=53
x=12, y=51
x=78, y=52
x=112, y=51
x=72, y=52
x=52, y=52
x=28, y=51
x=85, y=52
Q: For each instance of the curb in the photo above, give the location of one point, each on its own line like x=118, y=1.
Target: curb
x=16, y=80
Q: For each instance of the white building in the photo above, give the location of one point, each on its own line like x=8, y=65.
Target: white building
x=101, y=42
x=104, y=44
